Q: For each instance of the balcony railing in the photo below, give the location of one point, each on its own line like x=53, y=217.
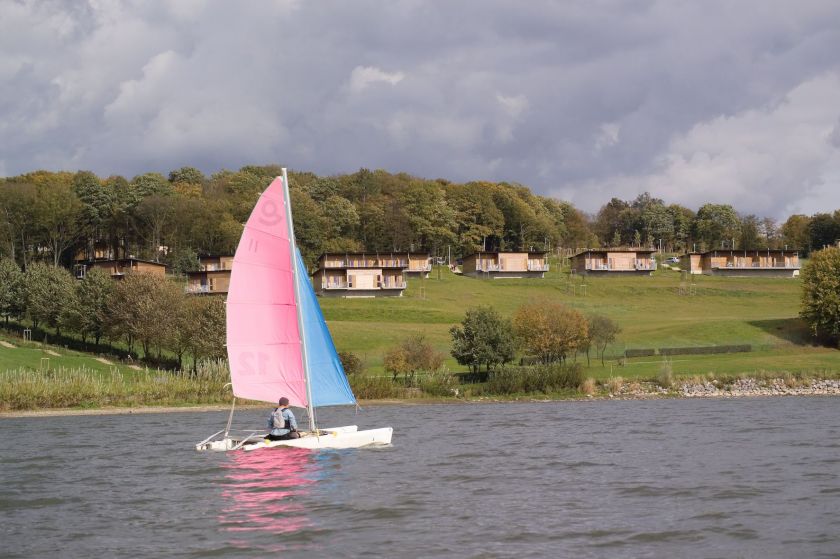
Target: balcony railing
x=199, y=289
x=392, y=285
x=487, y=268
x=537, y=267
x=376, y=263
x=214, y=268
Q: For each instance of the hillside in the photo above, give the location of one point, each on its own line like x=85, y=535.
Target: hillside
x=652, y=314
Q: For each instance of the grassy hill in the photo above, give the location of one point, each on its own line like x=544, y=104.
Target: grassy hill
x=650, y=310
x=761, y=312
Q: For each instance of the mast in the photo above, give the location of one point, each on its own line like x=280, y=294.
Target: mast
x=310, y=409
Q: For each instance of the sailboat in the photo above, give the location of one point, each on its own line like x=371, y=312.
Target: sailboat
x=278, y=343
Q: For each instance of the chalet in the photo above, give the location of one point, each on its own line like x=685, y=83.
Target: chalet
x=119, y=267
x=212, y=277
x=778, y=263
x=614, y=261
x=367, y=274
x=498, y=265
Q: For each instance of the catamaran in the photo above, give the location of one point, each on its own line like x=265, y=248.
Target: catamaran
x=278, y=343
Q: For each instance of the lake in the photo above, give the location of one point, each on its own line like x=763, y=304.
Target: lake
x=665, y=478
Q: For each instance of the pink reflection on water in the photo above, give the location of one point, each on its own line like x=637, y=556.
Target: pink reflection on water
x=263, y=488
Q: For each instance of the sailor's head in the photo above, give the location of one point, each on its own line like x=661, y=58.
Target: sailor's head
x=283, y=401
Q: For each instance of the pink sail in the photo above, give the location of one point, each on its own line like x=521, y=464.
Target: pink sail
x=263, y=341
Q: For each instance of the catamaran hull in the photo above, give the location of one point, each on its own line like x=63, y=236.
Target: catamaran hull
x=333, y=439
x=336, y=437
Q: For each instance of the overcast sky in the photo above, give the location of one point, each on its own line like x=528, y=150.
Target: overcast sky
x=702, y=101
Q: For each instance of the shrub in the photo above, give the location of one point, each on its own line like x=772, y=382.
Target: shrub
x=351, y=363
x=614, y=384
x=540, y=378
x=375, y=388
x=588, y=386
x=439, y=383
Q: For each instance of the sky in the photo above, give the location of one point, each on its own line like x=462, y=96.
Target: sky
x=702, y=101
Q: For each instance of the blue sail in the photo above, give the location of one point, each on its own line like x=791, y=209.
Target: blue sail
x=326, y=375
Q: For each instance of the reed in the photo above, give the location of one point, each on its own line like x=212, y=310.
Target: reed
x=665, y=378
x=61, y=387
x=614, y=384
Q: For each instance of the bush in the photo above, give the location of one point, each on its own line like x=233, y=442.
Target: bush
x=375, y=388
x=351, y=363
x=439, y=383
x=540, y=378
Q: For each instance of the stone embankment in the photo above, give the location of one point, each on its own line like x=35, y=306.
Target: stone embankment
x=739, y=388
x=759, y=387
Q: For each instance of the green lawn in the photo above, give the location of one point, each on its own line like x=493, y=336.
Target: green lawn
x=34, y=356
x=652, y=313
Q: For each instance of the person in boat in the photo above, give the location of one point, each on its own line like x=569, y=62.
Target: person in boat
x=282, y=424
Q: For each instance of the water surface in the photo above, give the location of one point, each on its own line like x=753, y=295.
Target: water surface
x=687, y=478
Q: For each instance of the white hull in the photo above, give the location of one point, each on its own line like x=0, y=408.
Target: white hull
x=335, y=437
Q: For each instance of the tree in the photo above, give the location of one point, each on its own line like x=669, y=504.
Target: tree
x=143, y=308
x=413, y=354
x=823, y=231
x=94, y=292
x=57, y=212
x=795, y=232
x=715, y=223
x=11, y=288
x=188, y=175
x=47, y=291
x=206, y=328
x=602, y=331
x=821, y=294
x=750, y=237
x=484, y=338
x=549, y=331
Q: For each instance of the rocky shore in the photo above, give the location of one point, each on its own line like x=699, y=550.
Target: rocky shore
x=739, y=388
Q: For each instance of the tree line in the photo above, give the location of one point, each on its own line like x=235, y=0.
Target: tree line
x=141, y=312
x=56, y=216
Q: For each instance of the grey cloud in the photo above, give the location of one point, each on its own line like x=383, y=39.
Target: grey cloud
x=124, y=88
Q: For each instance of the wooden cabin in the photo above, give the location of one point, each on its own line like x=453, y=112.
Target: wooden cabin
x=777, y=263
x=212, y=277
x=118, y=268
x=367, y=274
x=497, y=265
x=614, y=261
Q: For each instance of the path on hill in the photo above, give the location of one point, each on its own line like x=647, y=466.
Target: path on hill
x=7, y=344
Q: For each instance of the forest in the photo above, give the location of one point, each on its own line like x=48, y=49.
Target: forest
x=58, y=217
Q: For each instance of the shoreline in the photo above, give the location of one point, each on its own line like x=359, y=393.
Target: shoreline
x=742, y=388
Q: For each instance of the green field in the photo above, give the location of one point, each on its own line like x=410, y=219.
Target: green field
x=650, y=310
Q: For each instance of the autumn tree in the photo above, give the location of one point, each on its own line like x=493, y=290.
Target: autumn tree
x=549, y=331
x=483, y=338
x=413, y=354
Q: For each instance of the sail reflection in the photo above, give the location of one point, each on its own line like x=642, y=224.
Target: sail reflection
x=263, y=490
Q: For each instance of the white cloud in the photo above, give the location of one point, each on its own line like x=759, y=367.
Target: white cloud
x=776, y=159
x=608, y=135
x=513, y=106
x=364, y=76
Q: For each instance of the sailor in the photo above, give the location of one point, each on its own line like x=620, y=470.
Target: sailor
x=282, y=424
